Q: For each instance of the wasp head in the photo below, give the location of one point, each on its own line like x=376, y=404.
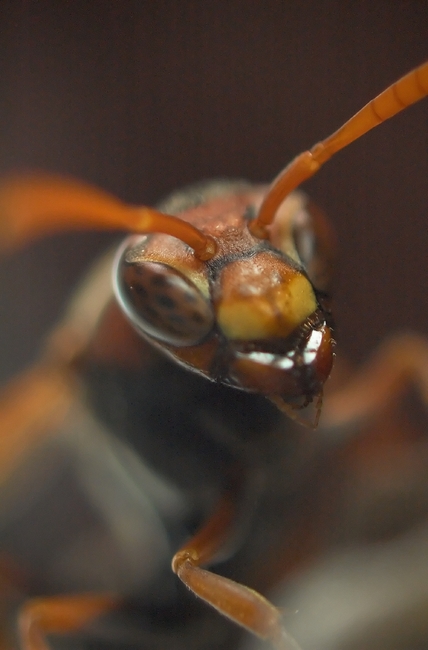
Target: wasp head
x=255, y=316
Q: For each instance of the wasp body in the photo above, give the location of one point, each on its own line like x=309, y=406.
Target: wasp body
x=170, y=405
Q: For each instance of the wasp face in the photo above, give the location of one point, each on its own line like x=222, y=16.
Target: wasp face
x=251, y=316
x=279, y=339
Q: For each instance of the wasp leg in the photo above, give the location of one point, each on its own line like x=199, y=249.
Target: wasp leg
x=399, y=362
x=240, y=604
x=59, y=615
x=30, y=408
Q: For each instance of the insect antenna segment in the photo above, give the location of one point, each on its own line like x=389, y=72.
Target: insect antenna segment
x=39, y=204
x=401, y=94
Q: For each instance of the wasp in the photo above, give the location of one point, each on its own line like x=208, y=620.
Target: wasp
x=162, y=422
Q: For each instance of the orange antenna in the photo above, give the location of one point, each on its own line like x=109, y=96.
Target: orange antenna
x=401, y=94
x=39, y=204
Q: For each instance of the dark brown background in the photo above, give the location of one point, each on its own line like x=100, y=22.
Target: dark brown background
x=143, y=97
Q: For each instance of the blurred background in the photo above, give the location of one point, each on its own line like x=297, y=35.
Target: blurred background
x=141, y=98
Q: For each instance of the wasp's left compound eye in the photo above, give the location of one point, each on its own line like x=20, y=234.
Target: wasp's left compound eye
x=314, y=241
x=162, y=302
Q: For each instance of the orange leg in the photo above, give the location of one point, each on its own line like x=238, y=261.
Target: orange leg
x=31, y=407
x=59, y=615
x=241, y=604
x=398, y=363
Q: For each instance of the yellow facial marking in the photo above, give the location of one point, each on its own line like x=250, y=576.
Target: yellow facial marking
x=269, y=309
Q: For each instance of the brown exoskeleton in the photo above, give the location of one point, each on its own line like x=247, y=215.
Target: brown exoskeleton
x=216, y=308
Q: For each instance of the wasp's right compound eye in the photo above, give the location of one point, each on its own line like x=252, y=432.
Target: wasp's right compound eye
x=162, y=302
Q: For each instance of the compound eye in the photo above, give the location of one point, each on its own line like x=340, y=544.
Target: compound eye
x=314, y=242
x=163, y=303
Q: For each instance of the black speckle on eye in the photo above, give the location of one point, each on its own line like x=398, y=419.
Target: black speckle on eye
x=140, y=290
x=176, y=318
x=158, y=280
x=151, y=312
x=165, y=301
x=189, y=297
x=197, y=318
